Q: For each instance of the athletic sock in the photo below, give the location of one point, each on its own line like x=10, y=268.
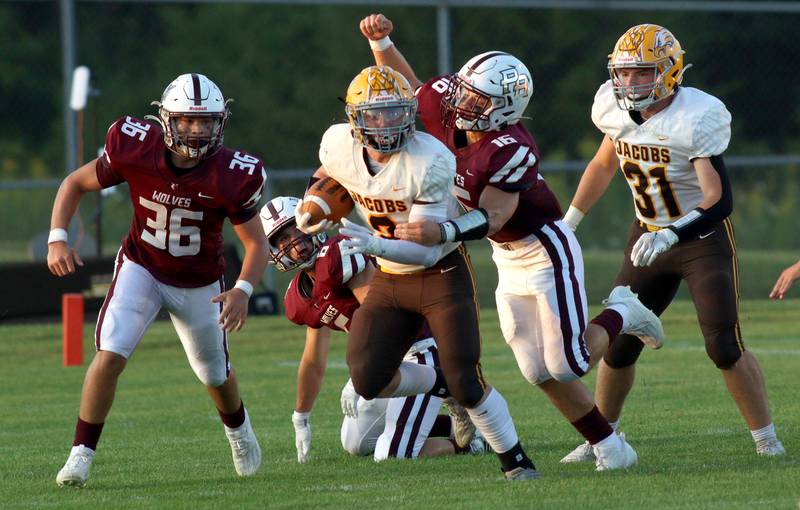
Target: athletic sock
x=612, y=320
x=494, y=421
x=415, y=379
x=87, y=434
x=233, y=420
x=764, y=433
x=614, y=425
x=593, y=426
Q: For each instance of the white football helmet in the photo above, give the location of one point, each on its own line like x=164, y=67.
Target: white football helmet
x=192, y=95
x=301, y=251
x=490, y=92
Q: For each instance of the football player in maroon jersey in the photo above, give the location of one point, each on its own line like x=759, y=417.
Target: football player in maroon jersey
x=327, y=289
x=540, y=297
x=183, y=183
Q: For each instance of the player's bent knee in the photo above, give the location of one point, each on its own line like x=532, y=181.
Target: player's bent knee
x=723, y=350
x=211, y=377
x=366, y=383
x=466, y=390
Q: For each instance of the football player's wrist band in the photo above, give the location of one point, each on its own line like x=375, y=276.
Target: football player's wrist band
x=244, y=286
x=467, y=227
x=573, y=217
x=380, y=44
x=57, y=235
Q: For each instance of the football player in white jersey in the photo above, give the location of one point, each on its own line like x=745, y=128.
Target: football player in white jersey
x=540, y=295
x=668, y=140
x=395, y=175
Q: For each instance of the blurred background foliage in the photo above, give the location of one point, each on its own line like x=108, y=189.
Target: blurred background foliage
x=286, y=66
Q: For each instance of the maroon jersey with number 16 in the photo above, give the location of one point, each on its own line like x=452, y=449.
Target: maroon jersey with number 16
x=176, y=231
x=507, y=159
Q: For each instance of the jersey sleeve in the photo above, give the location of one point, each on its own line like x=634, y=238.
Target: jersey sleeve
x=603, y=101
x=109, y=165
x=712, y=133
x=332, y=140
x=513, y=168
x=437, y=183
x=334, y=270
x=245, y=205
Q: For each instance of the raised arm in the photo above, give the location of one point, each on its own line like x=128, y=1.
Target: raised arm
x=376, y=28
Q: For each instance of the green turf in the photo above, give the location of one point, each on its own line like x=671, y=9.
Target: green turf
x=163, y=446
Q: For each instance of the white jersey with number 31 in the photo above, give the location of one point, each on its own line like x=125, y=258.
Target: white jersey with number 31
x=656, y=156
x=421, y=173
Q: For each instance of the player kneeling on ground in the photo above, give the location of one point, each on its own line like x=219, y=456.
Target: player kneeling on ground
x=323, y=296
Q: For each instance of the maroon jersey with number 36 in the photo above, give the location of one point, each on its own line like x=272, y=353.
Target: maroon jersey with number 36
x=176, y=231
x=507, y=159
x=327, y=301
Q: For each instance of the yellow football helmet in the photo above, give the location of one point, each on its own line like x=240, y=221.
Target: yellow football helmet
x=646, y=46
x=381, y=109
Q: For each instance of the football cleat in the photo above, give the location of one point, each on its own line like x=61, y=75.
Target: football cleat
x=583, y=453
x=642, y=322
x=771, y=447
x=618, y=455
x=76, y=471
x=521, y=473
x=463, y=428
x=479, y=444
x=245, y=448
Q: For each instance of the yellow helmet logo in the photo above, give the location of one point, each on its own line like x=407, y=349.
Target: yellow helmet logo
x=378, y=83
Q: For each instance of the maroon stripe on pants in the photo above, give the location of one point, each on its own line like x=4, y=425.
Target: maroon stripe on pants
x=400, y=426
x=224, y=333
x=102, y=315
x=563, y=310
x=420, y=415
x=576, y=290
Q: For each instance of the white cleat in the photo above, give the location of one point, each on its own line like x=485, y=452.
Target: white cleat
x=583, y=453
x=643, y=323
x=618, y=455
x=463, y=428
x=76, y=471
x=245, y=448
x=771, y=447
x=479, y=444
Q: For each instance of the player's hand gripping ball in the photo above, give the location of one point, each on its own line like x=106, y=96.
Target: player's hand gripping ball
x=326, y=202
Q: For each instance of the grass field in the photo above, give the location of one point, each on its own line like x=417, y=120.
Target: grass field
x=163, y=446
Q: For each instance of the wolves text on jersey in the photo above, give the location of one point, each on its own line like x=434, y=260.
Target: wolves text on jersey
x=167, y=199
x=642, y=152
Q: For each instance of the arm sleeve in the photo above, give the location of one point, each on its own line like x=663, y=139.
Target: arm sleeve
x=699, y=221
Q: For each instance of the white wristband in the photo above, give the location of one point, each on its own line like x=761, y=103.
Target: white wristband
x=573, y=217
x=244, y=286
x=380, y=44
x=57, y=235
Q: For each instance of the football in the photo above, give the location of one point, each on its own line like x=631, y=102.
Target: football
x=326, y=199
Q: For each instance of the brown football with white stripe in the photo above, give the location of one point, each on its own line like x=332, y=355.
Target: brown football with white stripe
x=326, y=199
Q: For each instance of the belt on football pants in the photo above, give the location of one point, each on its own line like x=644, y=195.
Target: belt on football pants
x=649, y=227
x=515, y=245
